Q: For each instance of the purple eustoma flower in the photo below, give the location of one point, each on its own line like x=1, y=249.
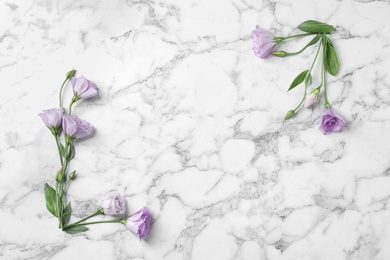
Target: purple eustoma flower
x=52, y=118
x=75, y=127
x=83, y=88
x=113, y=204
x=139, y=223
x=263, y=42
x=331, y=121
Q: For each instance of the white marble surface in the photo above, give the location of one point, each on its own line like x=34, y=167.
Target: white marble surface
x=190, y=123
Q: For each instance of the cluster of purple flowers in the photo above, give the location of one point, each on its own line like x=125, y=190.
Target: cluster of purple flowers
x=73, y=127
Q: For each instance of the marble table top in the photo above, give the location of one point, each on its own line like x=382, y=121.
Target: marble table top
x=190, y=123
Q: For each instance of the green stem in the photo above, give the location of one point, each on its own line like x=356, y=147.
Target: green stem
x=95, y=222
x=74, y=100
x=97, y=212
x=62, y=86
x=323, y=75
x=297, y=35
x=58, y=205
x=311, y=67
x=59, y=151
x=303, y=99
x=315, y=58
x=62, y=187
x=70, y=106
x=304, y=48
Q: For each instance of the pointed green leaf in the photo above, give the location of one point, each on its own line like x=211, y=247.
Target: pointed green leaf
x=314, y=40
x=331, y=60
x=327, y=39
x=311, y=26
x=67, y=214
x=71, y=152
x=51, y=200
x=75, y=229
x=62, y=150
x=298, y=80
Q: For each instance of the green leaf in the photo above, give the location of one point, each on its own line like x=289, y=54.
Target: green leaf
x=71, y=152
x=327, y=39
x=51, y=200
x=331, y=60
x=311, y=26
x=298, y=80
x=67, y=214
x=308, y=79
x=75, y=229
x=314, y=40
x=62, y=150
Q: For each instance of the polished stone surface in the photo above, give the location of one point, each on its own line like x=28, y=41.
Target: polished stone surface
x=190, y=123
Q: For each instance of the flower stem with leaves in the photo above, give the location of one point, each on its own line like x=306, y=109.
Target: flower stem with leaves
x=329, y=61
x=74, y=128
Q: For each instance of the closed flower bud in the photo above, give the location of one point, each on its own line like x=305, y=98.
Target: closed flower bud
x=70, y=74
x=278, y=39
x=289, y=114
x=59, y=176
x=280, y=53
x=72, y=175
x=312, y=98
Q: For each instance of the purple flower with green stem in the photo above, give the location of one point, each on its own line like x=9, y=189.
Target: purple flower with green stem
x=263, y=42
x=53, y=120
x=82, y=89
x=113, y=204
x=139, y=222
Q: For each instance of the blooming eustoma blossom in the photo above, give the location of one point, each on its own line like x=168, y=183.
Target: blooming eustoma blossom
x=263, y=42
x=83, y=88
x=52, y=118
x=75, y=127
x=331, y=121
x=139, y=223
x=113, y=204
